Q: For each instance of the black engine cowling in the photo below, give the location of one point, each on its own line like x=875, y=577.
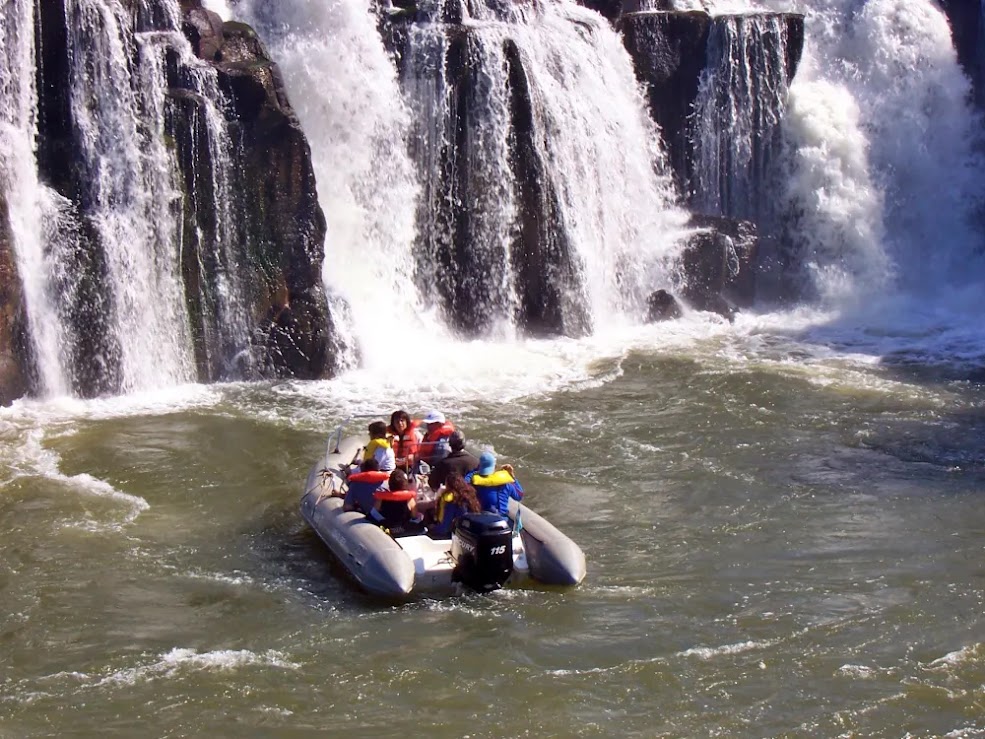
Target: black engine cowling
x=482, y=547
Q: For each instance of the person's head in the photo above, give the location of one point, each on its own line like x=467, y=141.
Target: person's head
x=377, y=430
x=462, y=492
x=456, y=441
x=434, y=418
x=370, y=465
x=487, y=463
x=399, y=480
x=400, y=421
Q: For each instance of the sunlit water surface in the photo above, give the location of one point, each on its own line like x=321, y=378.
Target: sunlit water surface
x=782, y=540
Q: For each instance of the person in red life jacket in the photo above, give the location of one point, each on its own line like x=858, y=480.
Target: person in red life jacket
x=378, y=447
x=458, y=460
x=493, y=487
x=434, y=447
x=396, y=506
x=405, y=439
x=362, y=485
x=457, y=499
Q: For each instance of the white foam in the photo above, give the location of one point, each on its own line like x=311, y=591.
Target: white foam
x=971, y=653
x=181, y=660
x=219, y=6
x=727, y=649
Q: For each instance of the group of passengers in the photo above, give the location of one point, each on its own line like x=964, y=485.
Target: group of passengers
x=407, y=454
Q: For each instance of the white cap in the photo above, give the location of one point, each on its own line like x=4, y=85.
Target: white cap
x=434, y=417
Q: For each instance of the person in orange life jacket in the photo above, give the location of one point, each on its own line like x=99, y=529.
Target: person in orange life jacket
x=405, y=438
x=458, y=460
x=457, y=499
x=378, y=447
x=434, y=447
x=395, y=507
x=362, y=485
x=493, y=487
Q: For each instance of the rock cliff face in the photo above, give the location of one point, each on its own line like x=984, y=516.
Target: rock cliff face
x=672, y=52
x=968, y=30
x=262, y=206
x=279, y=223
x=537, y=267
x=13, y=380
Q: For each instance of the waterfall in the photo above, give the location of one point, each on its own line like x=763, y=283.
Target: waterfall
x=27, y=202
x=467, y=133
x=343, y=87
x=735, y=125
x=880, y=161
x=609, y=202
x=104, y=297
x=131, y=188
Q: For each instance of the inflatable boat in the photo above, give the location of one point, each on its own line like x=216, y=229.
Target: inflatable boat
x=484, y=552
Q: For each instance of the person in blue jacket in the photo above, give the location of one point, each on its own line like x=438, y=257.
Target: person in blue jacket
x=493, y=487
x=362, y=485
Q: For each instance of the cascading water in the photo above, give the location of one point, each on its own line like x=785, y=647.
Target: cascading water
x=613, y=206
x=28, y=205
x=881, y=162
x=735, y=124
x=343, y=88
x=103, y=290
x=463, y=126
x=395, y=222
x=130, y=176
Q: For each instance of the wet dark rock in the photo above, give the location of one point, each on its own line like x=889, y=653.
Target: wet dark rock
x=718, y=263
x=204, y=30
x=968, y=30
x=281, y=225
x=670, y=53
x=662, y=306
x=13, y=362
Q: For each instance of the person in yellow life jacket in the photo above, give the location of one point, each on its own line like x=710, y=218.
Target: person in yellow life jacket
x=434, y=447
x=378, y=447
x=455, y=500
x=493, y=487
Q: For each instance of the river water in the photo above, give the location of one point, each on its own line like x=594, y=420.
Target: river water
x=783, y=536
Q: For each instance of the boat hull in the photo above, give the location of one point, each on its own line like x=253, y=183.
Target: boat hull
x=398, y=568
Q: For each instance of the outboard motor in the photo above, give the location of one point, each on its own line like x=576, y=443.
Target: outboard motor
x=482, y=547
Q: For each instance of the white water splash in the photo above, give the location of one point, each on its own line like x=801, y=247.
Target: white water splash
x=884, y=164
x=219, y=6
x=344, y=89
x=180, y=660
x=24, y=455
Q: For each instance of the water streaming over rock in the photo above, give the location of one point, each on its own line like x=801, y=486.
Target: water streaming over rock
x=741, y=100
x=569, y=180
x=32, y=211
x=502, y=177
x=882, y=166
x=99, y=250
x=343, y=87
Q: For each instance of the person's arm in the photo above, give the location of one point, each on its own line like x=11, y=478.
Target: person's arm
x=412, y=446
x=437, y=476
